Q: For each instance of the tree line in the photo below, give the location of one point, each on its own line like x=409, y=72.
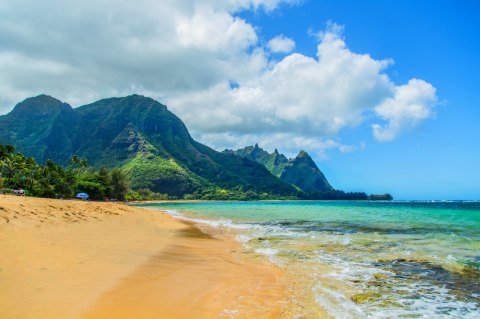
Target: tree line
x=53, y=181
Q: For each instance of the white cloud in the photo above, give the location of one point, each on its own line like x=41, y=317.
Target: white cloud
x=115, y=47
x=309, y=98
x=281, y=44
x=186, y=53
x=407, y=108
x=288, y=143
x=305, y=96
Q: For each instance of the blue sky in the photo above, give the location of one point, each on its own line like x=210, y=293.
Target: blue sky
x=433, y=40
x=383, y=94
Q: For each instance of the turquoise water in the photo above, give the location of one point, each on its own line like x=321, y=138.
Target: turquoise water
x=362, y=259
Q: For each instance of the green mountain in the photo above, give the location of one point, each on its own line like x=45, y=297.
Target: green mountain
x=138, y=134
x=300, y=171
x=40, y=127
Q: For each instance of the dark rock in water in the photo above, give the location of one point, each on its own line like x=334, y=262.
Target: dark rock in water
x=379, y=276
x=465, y=285
x=363, y=298
x=352, y=227
x=274, y=238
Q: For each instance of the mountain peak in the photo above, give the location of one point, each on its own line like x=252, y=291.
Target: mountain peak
x=38, y=106
x=303, y=154
x=138, y=98
x=300, y=171
x=304, y=157
x=125, y=107
x=139, y=135
x=41, y=99
x=44, y=97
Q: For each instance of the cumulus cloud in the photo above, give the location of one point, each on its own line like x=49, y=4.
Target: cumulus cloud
x=187, y=54
x=310, y=98
x=288, y=143
x=110, y=47
x=305, y=96
x=410, y=105
x=281, y=44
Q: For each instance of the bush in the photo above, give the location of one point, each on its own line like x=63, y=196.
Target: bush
x=94, y=189
x=119, y=184
x=145, y=194
x=6, y=191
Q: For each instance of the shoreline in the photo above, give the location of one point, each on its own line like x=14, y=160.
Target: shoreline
x=302, y=302
x=75, y=259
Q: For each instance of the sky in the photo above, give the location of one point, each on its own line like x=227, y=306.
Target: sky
x=382, y=94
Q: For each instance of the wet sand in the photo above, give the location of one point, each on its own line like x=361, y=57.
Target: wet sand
x=73, y=259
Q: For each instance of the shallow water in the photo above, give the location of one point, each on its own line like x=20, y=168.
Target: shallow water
x=362, y=259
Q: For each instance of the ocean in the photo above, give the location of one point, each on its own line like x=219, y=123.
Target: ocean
x=359, y=259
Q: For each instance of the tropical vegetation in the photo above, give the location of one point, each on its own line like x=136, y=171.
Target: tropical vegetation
x=51, y=180
x=134, y=148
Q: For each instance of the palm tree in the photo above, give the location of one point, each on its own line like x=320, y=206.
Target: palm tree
x=6, y=152
x=78, y=163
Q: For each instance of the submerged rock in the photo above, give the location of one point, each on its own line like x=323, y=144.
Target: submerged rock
x=464, y=284
x=362, y=298
x=273, y=238
x=379, y=276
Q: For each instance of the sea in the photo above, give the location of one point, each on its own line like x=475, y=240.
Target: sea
x=360, y=259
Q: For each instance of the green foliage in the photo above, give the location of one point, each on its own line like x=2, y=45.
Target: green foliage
x=301, y=171
x=236, y=193
x=6, y=191
x=105, y=178
x=77, y=163
x=137, y=134
x=119, y=184
x=94, y=189
x=103, y=183
x=52, y=180
x=274, y=162
x=18, y=171
x=134, y=196
x=151, y=147
x=380, y=197
x=161, y=176
x=146, y=194
x=334, y=195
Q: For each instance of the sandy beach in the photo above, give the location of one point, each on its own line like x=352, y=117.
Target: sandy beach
x=74, y=259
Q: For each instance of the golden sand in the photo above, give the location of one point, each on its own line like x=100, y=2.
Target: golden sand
x=73, y=259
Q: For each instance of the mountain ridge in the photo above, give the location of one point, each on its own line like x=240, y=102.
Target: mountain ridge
x=136, y=133
x=155, y=149
x=300, y=171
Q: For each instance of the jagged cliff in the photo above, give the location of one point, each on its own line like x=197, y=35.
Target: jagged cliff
x=136, y=133
x=300, y=171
